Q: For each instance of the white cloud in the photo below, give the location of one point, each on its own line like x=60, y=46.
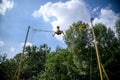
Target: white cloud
x=6, y=4
x=95, y=9
x=12, y=50
x=2, y=43
x=27, y=44
x=63, y=13
x=107, y=17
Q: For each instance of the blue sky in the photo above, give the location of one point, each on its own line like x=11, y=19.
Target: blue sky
x=17, y=15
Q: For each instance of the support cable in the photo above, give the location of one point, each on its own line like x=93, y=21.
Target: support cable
x=42, y=30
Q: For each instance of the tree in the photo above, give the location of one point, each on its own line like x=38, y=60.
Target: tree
x=3, y=57
x=2, y=68
x=34, y=61
x=78, y=40
x=7, y=68
x=60, y=65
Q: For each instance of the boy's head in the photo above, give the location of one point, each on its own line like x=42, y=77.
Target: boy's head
x=58, y=27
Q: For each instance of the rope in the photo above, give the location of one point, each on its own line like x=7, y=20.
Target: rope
x=42, y=30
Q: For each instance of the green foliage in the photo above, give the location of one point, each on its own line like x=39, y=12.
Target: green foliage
x=34, y=61
x=79, y=40
x=7, y=69
x=60, y=65
x=3, y=57
x=76, y=36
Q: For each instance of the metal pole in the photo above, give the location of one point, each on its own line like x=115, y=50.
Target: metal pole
x=97, y=52
x=17, y=73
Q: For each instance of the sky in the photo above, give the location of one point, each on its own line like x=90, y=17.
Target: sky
x=17, y=15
